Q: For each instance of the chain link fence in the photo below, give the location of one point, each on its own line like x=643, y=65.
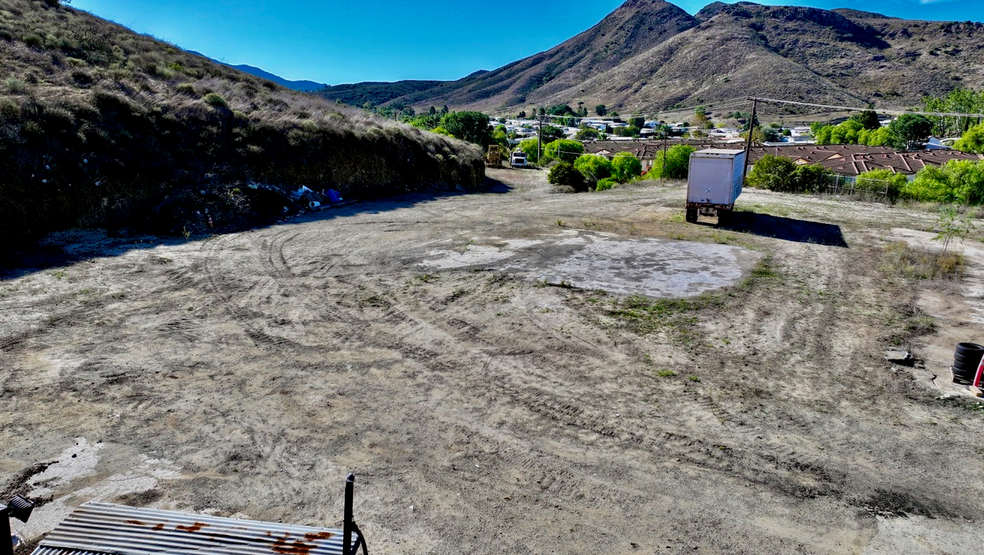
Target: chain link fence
x=873, y=190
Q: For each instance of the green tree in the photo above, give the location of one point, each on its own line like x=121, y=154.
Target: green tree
x=846, y=133
x=428, y=121
x=868, y=119
x=972, y=140
x=909, y=129
x=561, y=110
x=959, y=101
x=500, y=137
x=772, y=172
x=601, y=109
x=770, y=134
x=564, y=150
x=468, y=126
x=950, y=226
x=564, y=174
x=758, y=136
x=810, y=178
x=822, y=134
x=701, y=121
x=550, y=133
x=593, y=167
x=778, y=173
x=629, y=131
x=877, y=137
x=530, y=146
x=882, y=181
x=626, y=167
x=967, y=180
x=960, y=181
x=587, y=134
x=677, y=164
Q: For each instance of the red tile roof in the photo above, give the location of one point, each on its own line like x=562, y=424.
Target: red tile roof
x=841, y=159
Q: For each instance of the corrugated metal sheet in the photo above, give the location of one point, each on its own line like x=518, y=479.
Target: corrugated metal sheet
x=103, y=528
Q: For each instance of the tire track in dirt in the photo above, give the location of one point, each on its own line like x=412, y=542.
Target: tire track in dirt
x=790, y=471
x=397, y=327
x=15, y=341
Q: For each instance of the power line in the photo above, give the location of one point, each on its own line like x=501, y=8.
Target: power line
x=879, y=110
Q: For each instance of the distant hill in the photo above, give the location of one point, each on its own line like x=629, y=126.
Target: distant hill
x=649, y=56
x=375, y=93
x=100, y=126
x=303, y=86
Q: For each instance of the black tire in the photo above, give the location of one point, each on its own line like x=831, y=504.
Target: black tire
x=724, y=217
x=966, y=358
x=692, y=215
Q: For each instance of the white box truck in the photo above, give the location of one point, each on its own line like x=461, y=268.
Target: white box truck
x=716, y=176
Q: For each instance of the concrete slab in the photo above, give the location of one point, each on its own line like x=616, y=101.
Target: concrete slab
x=597, y=261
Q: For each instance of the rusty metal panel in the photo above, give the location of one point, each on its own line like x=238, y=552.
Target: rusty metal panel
x=103, y=528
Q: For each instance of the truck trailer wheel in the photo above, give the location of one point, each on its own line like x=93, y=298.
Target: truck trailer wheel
x=724, y=217
x=692, y=215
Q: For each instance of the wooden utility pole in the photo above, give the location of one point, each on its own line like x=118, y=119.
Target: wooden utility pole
x=539, y=137
x=751, y=130
x=662, y=174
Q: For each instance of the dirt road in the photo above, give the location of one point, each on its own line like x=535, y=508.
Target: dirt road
x=456, y=353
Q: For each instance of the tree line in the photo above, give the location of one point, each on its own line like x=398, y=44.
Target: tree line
x=956, y=182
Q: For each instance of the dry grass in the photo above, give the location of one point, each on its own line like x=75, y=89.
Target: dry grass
x=904, y=261
x=101, y=126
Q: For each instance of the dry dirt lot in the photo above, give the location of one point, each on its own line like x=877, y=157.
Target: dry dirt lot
x=461, y=355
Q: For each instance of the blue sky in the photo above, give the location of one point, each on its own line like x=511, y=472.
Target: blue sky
x=334, y=41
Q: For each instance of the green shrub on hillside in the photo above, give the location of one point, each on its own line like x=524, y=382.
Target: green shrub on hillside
x=593, y=167
x=215, y=100
x=606, y=184
x=563, y=173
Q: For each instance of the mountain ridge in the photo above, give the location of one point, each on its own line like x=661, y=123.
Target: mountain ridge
x=650, y=56
x=302, y=85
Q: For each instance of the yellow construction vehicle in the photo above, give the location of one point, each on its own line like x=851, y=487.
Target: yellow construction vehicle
x=494, y=157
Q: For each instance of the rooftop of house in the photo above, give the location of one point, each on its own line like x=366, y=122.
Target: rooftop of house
x=848, y=160
x=857, y=159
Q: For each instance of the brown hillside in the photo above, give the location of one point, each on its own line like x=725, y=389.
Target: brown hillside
x=100, y=126
x=632, y=29
x=649, y=56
